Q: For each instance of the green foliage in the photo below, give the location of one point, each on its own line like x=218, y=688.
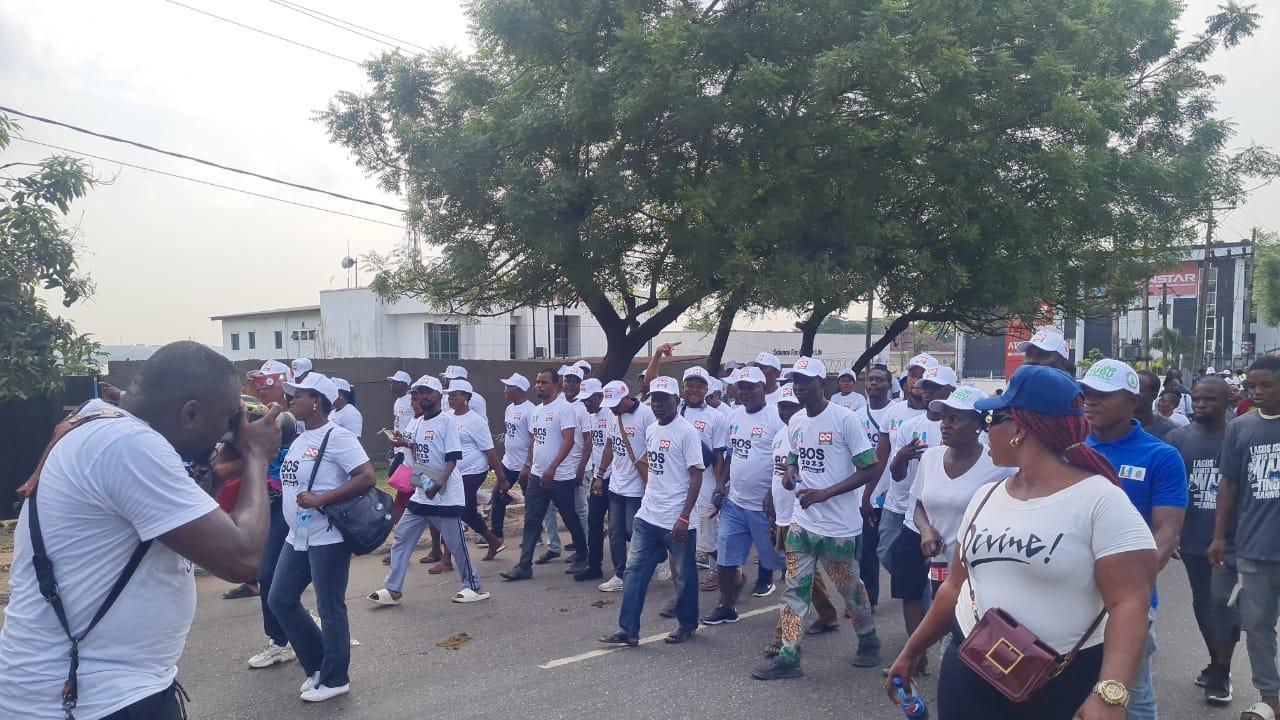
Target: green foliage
x=1176, y=343
x=1087, y=362
x=842, y=326
x=37, y=250
x=1266, y=278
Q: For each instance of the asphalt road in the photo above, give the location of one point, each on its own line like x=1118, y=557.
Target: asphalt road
x=531, y=655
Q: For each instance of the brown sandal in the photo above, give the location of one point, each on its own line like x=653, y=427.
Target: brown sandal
x=711, y=583
x=440, y=569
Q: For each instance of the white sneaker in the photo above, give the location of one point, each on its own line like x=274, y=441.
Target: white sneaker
x=320, y=693
x=613, y=584
x=310, y=683
x=271, y=655
x=663, y=573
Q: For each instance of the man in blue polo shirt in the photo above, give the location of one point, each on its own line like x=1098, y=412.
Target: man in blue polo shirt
x=1154, y=478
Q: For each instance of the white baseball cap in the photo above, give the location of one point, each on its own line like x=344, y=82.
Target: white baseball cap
x=664, y=384
x=809, y=367
x=1046, y=339
x=765, y=359
x=613, y=393
x=849, y=373
x=715, y=385
x=517, y=380
x=342, y=384
x=301, y=366
x=699, y=372
x=1111, y=376
x=453, y=372
x=460, y=385
x=317, y=382
x=570, y=370
x=401, y=376
x=1210, y=371
x=273, y=367
x=787, y=393
x=962, y=398
x=584, y=366
x=940, y=375
x=430, y=382
x=924, y=361
x=749, y=374
x=590, y=386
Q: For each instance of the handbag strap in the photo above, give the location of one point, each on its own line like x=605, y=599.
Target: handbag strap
x=315, y=467
x=631, y=453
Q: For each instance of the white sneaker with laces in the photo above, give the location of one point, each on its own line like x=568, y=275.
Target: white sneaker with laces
x=271, y=655
x=663, y=573
x=320, y=693
x=613, y=584
x=310, y=683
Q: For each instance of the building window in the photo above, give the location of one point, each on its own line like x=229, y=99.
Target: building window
x=235, y=341
x=561, y=336
x=253, y=340
x=279, y=340
x=513, y=341
x=442, y=342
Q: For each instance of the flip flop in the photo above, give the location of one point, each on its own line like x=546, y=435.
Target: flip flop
x=1258, y=711
x=821, y=628
x=440, y=569
x=244, y=590
x=431, y=558
x=383, y=597
x=493, y=552
x=467, y=595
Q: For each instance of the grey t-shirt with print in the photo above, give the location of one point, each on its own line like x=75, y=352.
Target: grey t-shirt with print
x=1200, y=450
x=1251, y=455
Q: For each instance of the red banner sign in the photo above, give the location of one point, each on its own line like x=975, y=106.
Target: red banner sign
x=1015, y=332
x=1182, y=281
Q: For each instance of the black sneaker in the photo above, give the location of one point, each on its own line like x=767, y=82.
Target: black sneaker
x=1218, y=690
x=720, y=616
x=763, y=590
x=775, y=669
x=546, y=557
x=1202, y=680
x=669, y=610
x=588, y=574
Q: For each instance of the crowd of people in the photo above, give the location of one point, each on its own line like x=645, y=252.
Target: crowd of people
x=1049, y=507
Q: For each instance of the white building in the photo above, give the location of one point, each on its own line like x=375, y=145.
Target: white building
x=357, y=323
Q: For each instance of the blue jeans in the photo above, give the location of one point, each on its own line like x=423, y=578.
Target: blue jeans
x=276, y=534
x=622, y=516
x=650, y=545
x=1142, y=694
x=326, y=650
x=891, y=524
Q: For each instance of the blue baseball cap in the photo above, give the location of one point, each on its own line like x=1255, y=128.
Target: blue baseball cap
x=1040, y=389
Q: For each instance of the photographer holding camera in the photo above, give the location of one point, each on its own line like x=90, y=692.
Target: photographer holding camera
x=85, y=564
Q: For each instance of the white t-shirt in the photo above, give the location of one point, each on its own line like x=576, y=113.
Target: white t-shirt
x=825, y=447
x=724, y=409
x=1179, y=419
x=477, y=441
x=626, y=479
x=713, y=431
x=584, y=421
x=402, y=415
x=105, y=487
x=944, y=497
x=673, y=449
x=898, y=497
x=853, y=401
x=348, y=417
x=550, y=420
x=751, y=466
x=865, y=415
x=519, y=436
x=434, y=439
x=342, y=455
x=599, y=428
x=478, y=405
x=784, y=500
x=1035, y=558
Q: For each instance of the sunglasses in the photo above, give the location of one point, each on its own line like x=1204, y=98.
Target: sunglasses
x=994, y=419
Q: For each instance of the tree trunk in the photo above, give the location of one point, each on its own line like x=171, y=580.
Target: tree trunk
x=895, y=328
x=724, y=324
x=809, y=326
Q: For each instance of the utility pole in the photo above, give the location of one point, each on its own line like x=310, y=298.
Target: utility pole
x=1202, y=291
x=871, y=303
x=1146, y=321
x=1164, y=324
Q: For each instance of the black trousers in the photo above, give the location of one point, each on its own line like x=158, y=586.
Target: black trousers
x=869, y=563
x=536, y=502
x=168, y=704
x=471, y=515
x=1210, y=592
x=498, y=506
x=964, y=695
x=597, y=508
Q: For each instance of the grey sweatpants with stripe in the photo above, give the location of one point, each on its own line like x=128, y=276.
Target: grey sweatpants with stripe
x=409, y=530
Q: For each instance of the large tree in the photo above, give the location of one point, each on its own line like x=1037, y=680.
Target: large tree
x=964, y=160
x=38, y=252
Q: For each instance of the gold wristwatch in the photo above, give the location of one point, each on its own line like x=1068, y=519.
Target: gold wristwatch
x=1112, y=693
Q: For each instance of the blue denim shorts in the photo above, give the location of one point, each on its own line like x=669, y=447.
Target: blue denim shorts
x=739, y=530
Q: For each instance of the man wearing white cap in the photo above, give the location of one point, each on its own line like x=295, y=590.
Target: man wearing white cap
x=457, y=372
x=912, y=405
x=665, y=525
x=345, y=413
x=846, y=396
x=830, y=461
x=571, y=383
x=549, y=476
x=874, y=418
x=401, y=412
x=909, y=442
x=590, y=395
x=1048, y=347
x=715, y=397
x=300, y=368
x=622, y=458
x=585, y=367
x=518, y=438
x=771, y=366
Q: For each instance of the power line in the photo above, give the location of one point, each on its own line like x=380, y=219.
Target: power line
x=346, y=25
x=210, y=163
x=264, y=32
x=206, y=182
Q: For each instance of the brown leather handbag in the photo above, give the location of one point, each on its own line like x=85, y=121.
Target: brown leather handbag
x=1003, y=651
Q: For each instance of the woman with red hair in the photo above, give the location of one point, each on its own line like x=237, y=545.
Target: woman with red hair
x=1058, y=548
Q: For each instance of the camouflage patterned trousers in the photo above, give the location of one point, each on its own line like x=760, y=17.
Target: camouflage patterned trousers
x=839, y=558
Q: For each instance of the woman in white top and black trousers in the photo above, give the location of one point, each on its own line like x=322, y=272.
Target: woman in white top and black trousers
x=314, y=552
x=1053, y=547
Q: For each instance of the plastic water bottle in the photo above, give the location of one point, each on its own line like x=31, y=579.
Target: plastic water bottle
x=912, y=704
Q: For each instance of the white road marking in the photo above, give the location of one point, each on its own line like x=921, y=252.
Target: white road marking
x=643, y=641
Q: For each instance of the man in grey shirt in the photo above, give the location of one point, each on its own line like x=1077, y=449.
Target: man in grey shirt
x=1200, y=445
x=1249, y=501
x=1152, y=421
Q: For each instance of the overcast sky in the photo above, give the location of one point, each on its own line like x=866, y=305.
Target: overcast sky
x=166, y=253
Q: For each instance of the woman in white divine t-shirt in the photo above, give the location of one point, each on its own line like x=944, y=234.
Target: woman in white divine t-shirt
x=1052, y=546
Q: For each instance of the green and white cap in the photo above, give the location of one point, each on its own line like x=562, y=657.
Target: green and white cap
x=962, y=398
x=1111, y=376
